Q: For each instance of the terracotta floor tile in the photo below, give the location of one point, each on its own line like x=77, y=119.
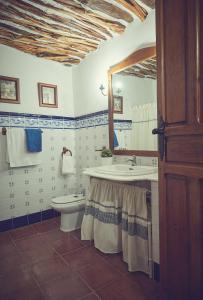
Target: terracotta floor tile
x=34, y=249
x=7, y=249
x=56, y=234
x=50, y=269
x=67, y=288
x=29, y=243
x=99, y=274
x=22, y=232
x=122, y=289
x=90, y=297
x=105, y=255
x=80, y=258
x=150, y=287
x=77, y=234
x=31, y=257
x=5, y=238
x=11, y=263
x=45, y=226
x=19, y=285
x=66, y=244
x=116, y=260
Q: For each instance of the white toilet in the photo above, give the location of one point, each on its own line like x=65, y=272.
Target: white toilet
x=71, y=208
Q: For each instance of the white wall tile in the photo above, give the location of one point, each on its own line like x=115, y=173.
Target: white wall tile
x=30, y=189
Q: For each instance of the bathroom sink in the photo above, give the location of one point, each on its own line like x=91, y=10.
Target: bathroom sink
x=122, y=170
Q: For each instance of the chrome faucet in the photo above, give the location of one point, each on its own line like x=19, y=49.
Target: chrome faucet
x=133, y=161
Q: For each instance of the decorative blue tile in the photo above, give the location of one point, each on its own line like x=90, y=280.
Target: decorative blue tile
x=45, y=122
x=4, y=113
x=123, y=124
x=57, y=123
x=53, y=122
x=4, y=120
x=31, y=122
x=16, y=121
x=69, y=123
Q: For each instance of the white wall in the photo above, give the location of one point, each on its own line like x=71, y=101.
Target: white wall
x=92, y=71
x=31, y=70
x=27, y=190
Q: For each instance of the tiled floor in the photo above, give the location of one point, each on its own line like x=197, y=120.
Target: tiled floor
x=40, y=262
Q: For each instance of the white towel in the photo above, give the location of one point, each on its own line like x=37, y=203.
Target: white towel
x=17, y=154
x=67, y=164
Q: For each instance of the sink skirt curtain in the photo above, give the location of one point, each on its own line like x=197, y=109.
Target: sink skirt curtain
x=116, y=219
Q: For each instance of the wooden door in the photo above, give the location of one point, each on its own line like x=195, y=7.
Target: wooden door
x=180, y=102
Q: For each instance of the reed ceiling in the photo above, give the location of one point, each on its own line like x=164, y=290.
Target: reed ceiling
x=144, y=69
x=66, y=30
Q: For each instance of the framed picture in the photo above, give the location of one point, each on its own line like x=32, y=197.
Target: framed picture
x=9, y=90
x=118, y=104
x=47, y=95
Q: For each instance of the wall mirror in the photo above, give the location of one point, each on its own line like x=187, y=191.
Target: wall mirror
x=133, y=104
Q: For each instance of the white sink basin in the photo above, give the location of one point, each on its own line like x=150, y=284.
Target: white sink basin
x=126, y=170
x=123, y=172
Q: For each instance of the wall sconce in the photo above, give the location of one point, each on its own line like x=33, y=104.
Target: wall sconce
x=118, y=91
x=118, y=87
x=102, y=88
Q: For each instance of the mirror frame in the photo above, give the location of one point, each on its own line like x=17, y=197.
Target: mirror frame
x=135, y=57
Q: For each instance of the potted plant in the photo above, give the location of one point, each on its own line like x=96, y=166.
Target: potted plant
x=106, y=156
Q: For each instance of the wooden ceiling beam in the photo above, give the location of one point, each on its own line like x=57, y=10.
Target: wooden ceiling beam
x=36, y=51
x=148, y=65
x=134, y=8
x=53, y=48
x=35, y=27
x=144, y=69
x=12, y=9
x=43, y=48
x=13, y=32
x=149, y=3
x=64, y=30
x=89, y=16
x=108, y=9
x=77, y=24
x=15, y=29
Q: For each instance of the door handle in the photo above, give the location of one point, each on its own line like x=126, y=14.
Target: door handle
x=161, y=137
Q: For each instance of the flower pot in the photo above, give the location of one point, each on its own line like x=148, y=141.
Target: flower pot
x=106, y=161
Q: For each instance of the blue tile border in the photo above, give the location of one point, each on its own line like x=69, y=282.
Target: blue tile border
x=27, y=220
x=122, y=124
x=21, y=120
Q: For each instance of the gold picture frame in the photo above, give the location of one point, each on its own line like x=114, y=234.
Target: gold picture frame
x=47, y=95
x=9, y=90
x=118, y=104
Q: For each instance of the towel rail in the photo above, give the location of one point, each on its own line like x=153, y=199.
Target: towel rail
x=3, y=130
x=65, y=150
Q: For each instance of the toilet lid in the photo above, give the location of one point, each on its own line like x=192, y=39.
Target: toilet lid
x=68, y=199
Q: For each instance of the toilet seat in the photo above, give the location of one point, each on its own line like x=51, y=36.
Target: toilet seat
x=68, y=199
